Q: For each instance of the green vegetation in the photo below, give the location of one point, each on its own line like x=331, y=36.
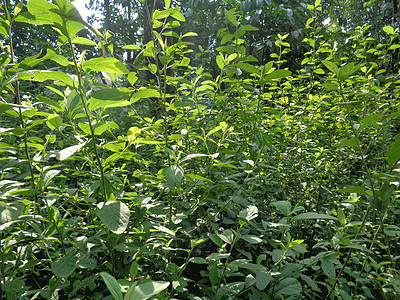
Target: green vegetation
x=169, y=170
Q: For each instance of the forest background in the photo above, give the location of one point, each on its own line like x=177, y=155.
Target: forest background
x=200, y=150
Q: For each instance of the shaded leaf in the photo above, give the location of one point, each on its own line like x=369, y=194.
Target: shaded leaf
x=112, y=285
x=148, y=289
x=313, y=216
x=64, y=266
x=114, y=215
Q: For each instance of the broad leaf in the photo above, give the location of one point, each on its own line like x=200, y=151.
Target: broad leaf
x=230, y=15
x=114, y=215
x=213, y=275
x=313, y=216
x=331, y=66
x=108, y=64
x=263, y=278
x=328, y=268
x=283, y=206
x=357, y=190
x=278, y=74
x=69, y=151
x=393, y=152
x=174, y=175
x=146, y=93
x=248, y=68
x=112, y=285
x=133, y=133
x=64, y=266
x=289, y=286
x=248, y=214
x=347, y=70
x=41, y=76
x=147, y=290
x=105, y=98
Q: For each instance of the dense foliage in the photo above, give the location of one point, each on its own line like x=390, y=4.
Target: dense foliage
x=197, y=173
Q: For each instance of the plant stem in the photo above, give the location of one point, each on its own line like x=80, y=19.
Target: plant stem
x=82, y=96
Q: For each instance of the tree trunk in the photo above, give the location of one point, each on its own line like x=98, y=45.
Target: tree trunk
x=107, y=14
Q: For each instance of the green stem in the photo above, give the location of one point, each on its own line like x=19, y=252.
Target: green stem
x=82, y=96
x=23, y=124
x=348, y=255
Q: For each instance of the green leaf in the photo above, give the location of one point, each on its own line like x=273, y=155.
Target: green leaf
x=195, y=155
x=289, y=286
x=63, y=16
x=328, y=268
x=189, y=34
x=114, y=215
x=54, y=121
x=395, y=281
x=295, y=243
x=4, y=107
x=248, y=214
x=99, y=128
x=388, y=29
x=197, y=177
x=162, y=14
x=226, y=38
x=313, y=216
x=178, y=16
x=133, y=133
x=106, y=98
x=112, y=285
x=167, y=4
x=18, y=8
x=148, y=289
x=69, y=151
x=41, y=76
x=284, y=207
x=42, y=11
x=249, y=28
x=393, y=47
x=133, y=270
x=131, y=47
x=83, y=41
x=216, y=239
x=341, y=217
x=132, y=78
x=220, y=61
x=278, y=74
x=248, y=68
x=227, y=236
x=330, y=86
x=49, y=175
x=263, y=278
x=357, y=190
x=393, y=152
x=10, y=212
x=213, y=275
x=146, y=93
x=108, y=64
x=170, y=33
x=331, y=66
x=353, y=142
x=251, y=239
x=347, y=70
x=174, y=176
x=64, y=266
x=230, y=15
x=370, y=120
